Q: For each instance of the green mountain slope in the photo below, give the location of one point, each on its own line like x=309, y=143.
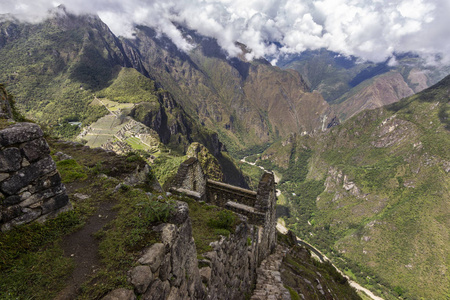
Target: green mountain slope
x=72, y=69
x=375, y=194
x=247, y=103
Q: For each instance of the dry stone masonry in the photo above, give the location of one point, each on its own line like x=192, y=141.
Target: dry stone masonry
x=30, y=185
x=171, y=269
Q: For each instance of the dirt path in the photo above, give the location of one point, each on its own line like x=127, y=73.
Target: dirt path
x=83, y=248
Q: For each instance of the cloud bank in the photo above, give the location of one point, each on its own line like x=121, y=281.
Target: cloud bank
x=369, y=29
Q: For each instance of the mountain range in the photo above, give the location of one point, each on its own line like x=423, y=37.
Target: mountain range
x=366, y=182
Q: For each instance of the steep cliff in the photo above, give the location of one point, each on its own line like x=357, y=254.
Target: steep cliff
x=240, y=100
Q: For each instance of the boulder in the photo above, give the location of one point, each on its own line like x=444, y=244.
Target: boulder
x=35, y=150
x=10, y=160
x=159, y=290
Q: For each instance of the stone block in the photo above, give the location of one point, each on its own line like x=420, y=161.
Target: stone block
x=52, y=180
x=140, y=277
x=120, y=294
x=27, y=216
x=35, y=150
x=10, y=160
x=10, y=213
x=42, y=195
x=174, y=294
x=205, y=275
x=26, y=175
x=158, y=290
x=19, y=133
x=153, y=256
x=165, y=268
x=3, y=176
x=55, y=203
x=12, y=200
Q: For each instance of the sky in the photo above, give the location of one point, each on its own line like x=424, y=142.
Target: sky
x=368, y=29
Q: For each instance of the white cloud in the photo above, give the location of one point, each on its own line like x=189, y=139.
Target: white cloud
x=368, y=29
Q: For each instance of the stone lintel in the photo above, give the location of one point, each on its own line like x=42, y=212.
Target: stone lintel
x=232, y=188
x=187, y=192
x=240, y=206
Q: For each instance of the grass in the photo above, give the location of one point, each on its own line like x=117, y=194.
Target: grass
x=209, y=222
x=122, y=240
x=70, y=171
x=32, y=264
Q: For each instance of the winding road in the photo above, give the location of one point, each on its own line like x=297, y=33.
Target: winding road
x=315, y=252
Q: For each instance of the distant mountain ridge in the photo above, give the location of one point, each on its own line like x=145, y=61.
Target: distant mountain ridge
x=351, y=86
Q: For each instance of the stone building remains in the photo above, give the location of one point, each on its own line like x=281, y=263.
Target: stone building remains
x=30, y=186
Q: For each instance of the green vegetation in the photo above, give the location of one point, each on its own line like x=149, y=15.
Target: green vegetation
x=298, y=166
x=299, y=269
x=252, y=173
x=209, y=222
x=31, y=260
x=70, y=170
x=385, y=179
x=33, y=265
x=130, y=86
x=122, y=240
x=166, y=167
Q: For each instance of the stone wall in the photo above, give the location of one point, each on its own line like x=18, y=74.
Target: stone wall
x=30, y=185
x=190, y=179
x=219, y=193
x=229, y=271
x=258, y=207
x=172, y=269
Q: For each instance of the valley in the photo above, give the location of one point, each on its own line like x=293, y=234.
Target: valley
x=359, y=150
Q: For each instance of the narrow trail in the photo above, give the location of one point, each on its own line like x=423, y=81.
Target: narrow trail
x=281, y=228
x=83, y=248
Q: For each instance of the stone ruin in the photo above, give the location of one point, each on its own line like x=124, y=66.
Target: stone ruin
x=172, y=269
x=30, y=185
x=257, y=208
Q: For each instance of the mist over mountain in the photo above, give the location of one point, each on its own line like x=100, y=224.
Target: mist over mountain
x=369, y=30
